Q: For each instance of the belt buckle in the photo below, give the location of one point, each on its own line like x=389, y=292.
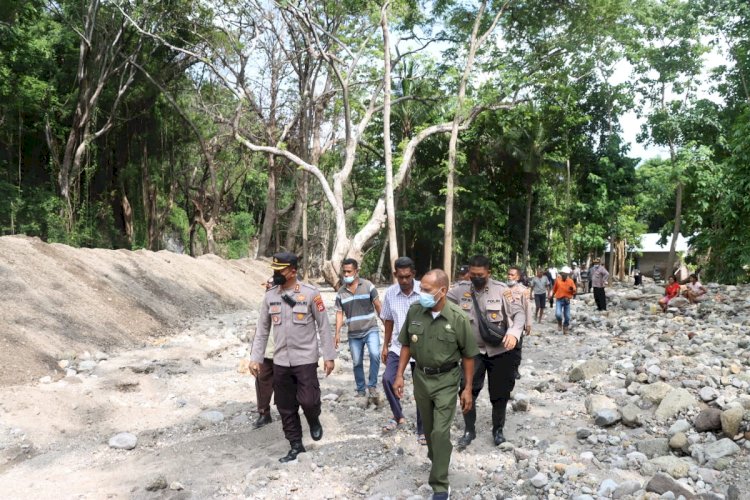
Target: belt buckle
x=428, y=371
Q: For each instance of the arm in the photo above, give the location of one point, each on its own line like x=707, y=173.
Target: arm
x=517, y=314
x=324, y=330
x=398, y=383
x=387, y=335
x=467, y=400
x=261, y=339
x=339, y=324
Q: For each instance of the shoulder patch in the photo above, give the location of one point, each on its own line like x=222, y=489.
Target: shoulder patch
x=318, y=300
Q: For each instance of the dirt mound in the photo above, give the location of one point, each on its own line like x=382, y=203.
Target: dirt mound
x=58, y=299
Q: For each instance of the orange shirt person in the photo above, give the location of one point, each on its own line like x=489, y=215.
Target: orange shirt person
x=564, y=289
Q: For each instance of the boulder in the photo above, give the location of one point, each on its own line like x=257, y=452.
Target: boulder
x=655, y=392
x=722, y=448
x=595, y=403
x=653, y=447
x=731, y=420
x=662, y=483
x=679, y=441
x=123, y=441
x=675, y=467
x=708, y=394
x=587, y=370
x=631, y=415
x=605, y=417
x=708, y=420
x=674, y=402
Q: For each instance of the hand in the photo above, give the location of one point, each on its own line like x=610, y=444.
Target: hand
x=528, y=329
x=328, y=366
x=336, y=340
x=509, y=342
x=398, y=386
x=384, y=354
x=254, y=368
x=466, y=400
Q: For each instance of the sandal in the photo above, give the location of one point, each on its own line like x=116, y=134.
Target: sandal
x=391, y=426
x=422, y=439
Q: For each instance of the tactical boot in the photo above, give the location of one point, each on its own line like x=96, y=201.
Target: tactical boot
x=498, y=420
x=263, y=419
x=295, y=450
x=316, y=429
x=470, y=419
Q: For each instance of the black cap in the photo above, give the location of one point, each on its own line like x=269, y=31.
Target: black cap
x=463, y=269
x=283, y=260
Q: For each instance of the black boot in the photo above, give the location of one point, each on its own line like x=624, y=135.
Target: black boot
x=316, y=430
x=498, y=420
x=295, y=450
x=263, y=419
x=470, y=419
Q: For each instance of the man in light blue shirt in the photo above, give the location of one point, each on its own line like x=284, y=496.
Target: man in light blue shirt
x=398, y=299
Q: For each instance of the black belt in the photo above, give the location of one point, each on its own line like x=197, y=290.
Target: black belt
x=437, y=371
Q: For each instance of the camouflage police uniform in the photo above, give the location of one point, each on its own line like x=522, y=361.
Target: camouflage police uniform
x=501, y=306
x=437, y=345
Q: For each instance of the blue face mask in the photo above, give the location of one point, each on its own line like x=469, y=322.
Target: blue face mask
x=348, y=280
x=427, y=300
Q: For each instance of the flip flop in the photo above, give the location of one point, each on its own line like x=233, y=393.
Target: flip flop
x=391, y=426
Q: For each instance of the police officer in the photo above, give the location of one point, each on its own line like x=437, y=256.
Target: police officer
x=298, y=316
x=520, y=292
x=437, y=335
x=501, y=307
x=264, y=378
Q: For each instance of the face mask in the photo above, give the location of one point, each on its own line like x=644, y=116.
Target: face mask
x=479, y=283
x=511, y=283
x=279, y=279
x=348, y=280
x=427, y=300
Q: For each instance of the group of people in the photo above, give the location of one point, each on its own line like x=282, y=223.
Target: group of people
x=454, y=338
x=694, y=291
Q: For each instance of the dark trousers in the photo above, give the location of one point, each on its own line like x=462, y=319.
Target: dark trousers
x=501, y=380
x=296, y=386
x=600, y=298
x=389, y=376
x=264, y=386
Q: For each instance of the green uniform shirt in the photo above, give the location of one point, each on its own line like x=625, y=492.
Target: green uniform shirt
x=440, y=341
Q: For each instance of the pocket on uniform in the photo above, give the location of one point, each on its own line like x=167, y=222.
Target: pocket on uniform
x=447, y=337
x=301, y=315
x=494, y=315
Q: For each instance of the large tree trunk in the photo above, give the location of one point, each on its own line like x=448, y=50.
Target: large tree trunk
x=269, y=220
x=389, y=202
x=527, y=226
x=676, y=230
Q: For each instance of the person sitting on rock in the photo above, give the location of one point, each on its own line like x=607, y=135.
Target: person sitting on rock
x=671, y=290
x=695, y=291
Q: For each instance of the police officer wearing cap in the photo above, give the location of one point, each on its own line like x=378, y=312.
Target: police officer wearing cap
x=502, y=308
x=298, y=316
x=437, y=335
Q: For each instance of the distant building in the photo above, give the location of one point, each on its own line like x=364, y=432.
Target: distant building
x=650, y=255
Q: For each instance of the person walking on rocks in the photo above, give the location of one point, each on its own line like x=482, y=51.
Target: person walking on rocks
x=599, y=278
x=264, y=378
x=541, y=287
x=397, y=300
x=564, y=290
x=438, y=336
x=358, y=305
x=298, y=316
x=498, y=309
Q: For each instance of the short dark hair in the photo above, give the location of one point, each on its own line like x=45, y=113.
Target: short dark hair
x=350, y=262
x=404, y=263
x=516, y=269
x=479, y=261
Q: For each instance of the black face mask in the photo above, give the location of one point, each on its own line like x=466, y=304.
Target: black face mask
x=279, y=279
x=479, y=283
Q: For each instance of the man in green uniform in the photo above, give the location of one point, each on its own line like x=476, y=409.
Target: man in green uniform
x=437, y=335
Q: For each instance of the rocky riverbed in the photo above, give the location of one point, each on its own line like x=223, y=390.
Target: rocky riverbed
x=633, y=404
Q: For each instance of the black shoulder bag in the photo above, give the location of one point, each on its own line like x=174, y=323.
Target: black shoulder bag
x=491, y=335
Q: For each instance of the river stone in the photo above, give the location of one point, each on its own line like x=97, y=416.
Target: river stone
x=123, y=441
x=212, y=416
x=731, y=420
x=672, y=465
x=655, y=392
x=595, y=403
x=708, y=394
x=606, y=417
x=86, y=366
x=582, y=433
x=607, y=487
x=680, y=425
x=626, y=488
x=157, y=483
x=631, y=415
x=722, y=448
x=674, y=402
x=708, y=420
x=539, y=480
x=587, y=370
x=661, y=483
x=655, y=447
x=679, y=441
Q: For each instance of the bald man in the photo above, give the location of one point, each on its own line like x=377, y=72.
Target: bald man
x=437, y=334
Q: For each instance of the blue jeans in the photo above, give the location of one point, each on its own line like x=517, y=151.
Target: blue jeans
x=357, y=348
x=562, y=308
